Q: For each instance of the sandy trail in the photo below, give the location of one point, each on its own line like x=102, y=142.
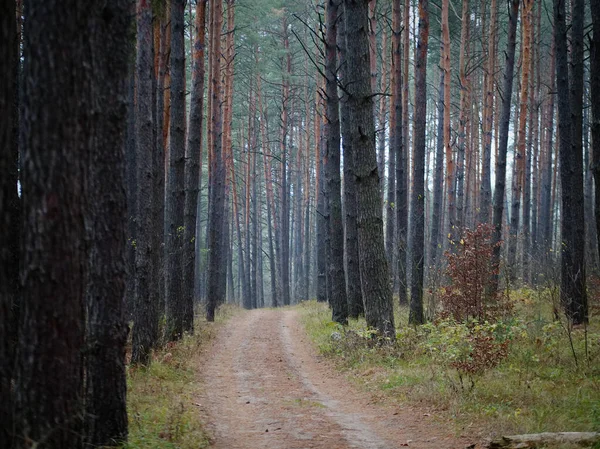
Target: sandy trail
x=265, y=387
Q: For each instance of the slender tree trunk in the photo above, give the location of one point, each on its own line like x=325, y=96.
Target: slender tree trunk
x=216, y=216
x=463, y=115
x=285, y=194
x=488, y=117
x=194, y=156
x=9, y=214
x=418, y=192
x=402, y=167
x=503, y=136
x=272, y=231
x=145, y=330
x=438, y=181
x=337, y=301
x=374, y=271
x=179, y=310
x=450, y=164
x=397, y=146
x=159, y=162
x=520, y=156
x=595, y=126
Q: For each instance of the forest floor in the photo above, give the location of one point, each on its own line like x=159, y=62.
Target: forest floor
x=266, y=386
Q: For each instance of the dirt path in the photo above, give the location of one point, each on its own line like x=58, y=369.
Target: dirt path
x=265, y=387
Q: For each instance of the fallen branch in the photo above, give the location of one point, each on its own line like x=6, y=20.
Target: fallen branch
x=536, y=439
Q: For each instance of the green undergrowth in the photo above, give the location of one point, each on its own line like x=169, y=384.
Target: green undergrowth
x=524, y=374
x=162, y=398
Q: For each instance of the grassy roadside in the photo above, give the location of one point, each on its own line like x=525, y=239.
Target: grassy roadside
x=549, y=379
x=161, y=398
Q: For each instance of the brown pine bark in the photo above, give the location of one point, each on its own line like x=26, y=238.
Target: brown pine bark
x=488, y=117
x=450, y=164
x=463, y=117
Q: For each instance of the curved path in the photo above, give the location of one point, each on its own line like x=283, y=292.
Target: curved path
x=265, y=387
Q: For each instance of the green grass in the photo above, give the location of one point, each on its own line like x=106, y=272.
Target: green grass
x=549, y=380
x=162, y=398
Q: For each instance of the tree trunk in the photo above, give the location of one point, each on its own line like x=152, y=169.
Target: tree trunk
x=73, y=147
x=595, y=126
x=9, y=214
x=374, y=271
x=216, y=219
x=397, y=146
x=450, y=165
x=285, y=194
x=107, y=326
x=402, y=167
x=194, y=156
x=488, y=114
x=463, y=115
x=438, y=180
x=353, y=288
x=503, y=136
x=145, y=313
x=418, y=192
x=570, y=105
x=337, y=301
x=179, y=309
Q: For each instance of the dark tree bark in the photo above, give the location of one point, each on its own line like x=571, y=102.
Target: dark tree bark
x=595, y=125
x=322, y=224
x=9, y=214
x=180, y=312
x=353, y=290
x=194, y=156
x=337, y=301
x=158, y=161
x=398, y=131
x=107, y=327
x=438, y=181
x=418, y=192
x=374, y=273
x=545, y=220
x=570, y=105
x=500, y=186
x=73, y=137
x=145, y=313
x=285, y=191
x=488, y=116
x=215, y=291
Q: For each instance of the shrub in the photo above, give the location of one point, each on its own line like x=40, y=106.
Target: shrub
x=469, y=296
